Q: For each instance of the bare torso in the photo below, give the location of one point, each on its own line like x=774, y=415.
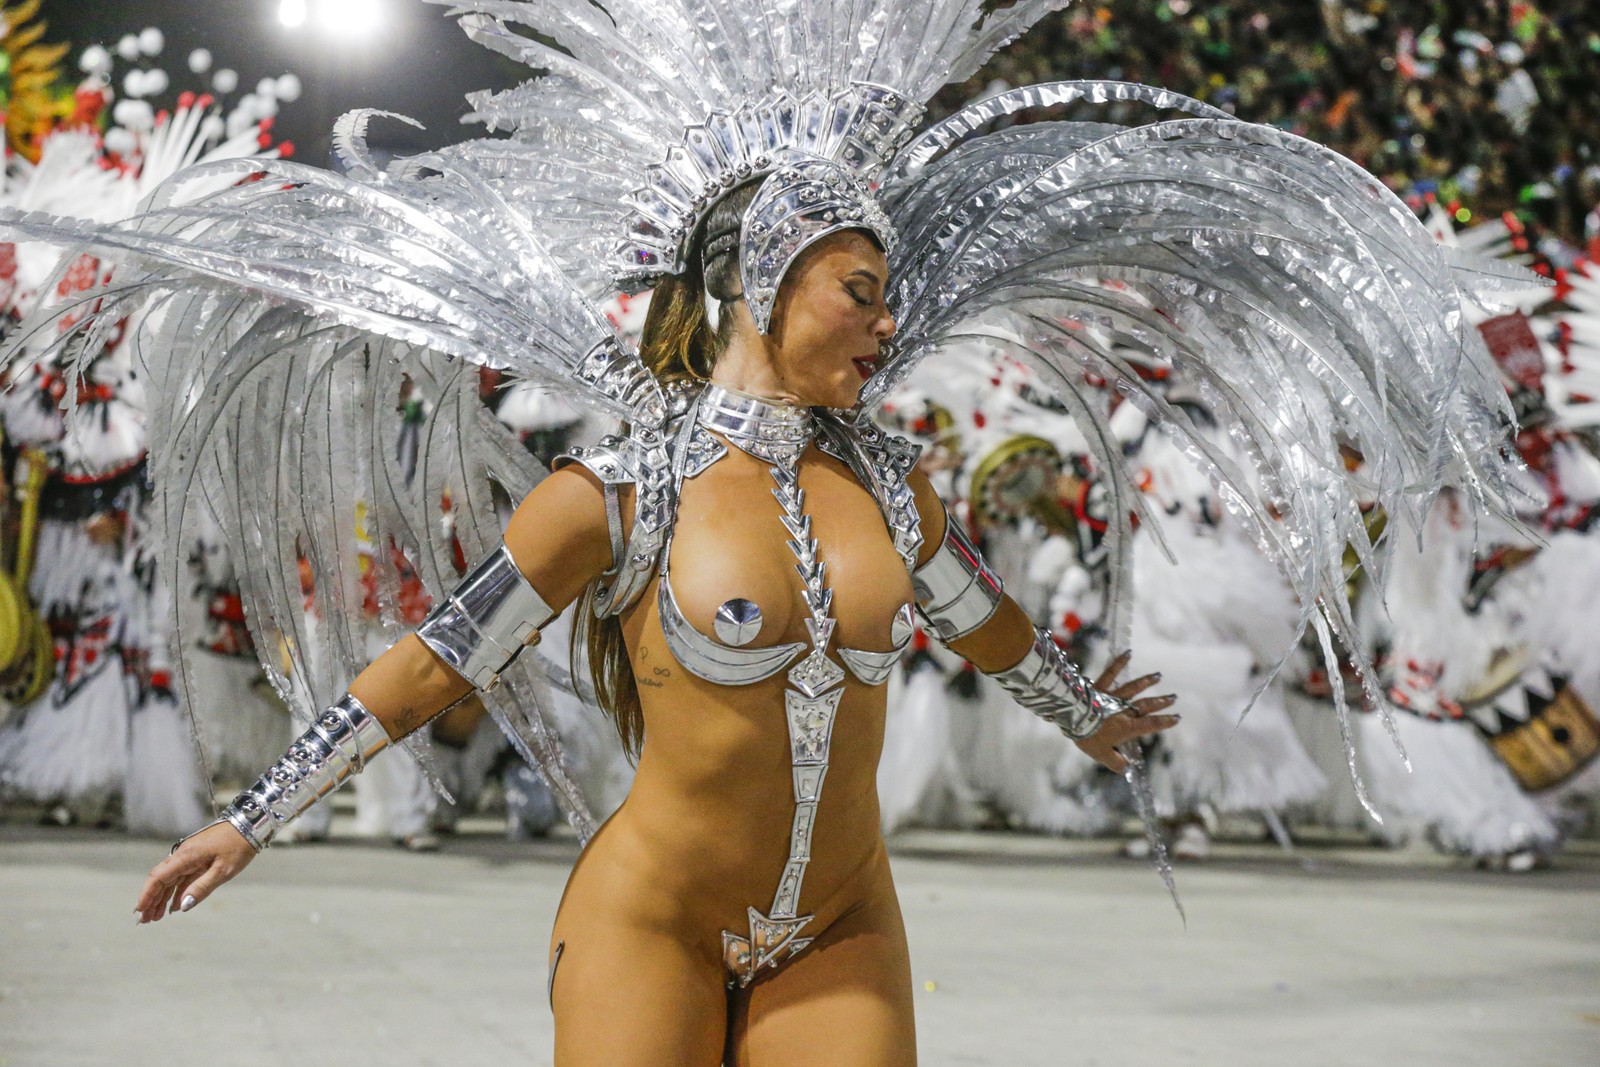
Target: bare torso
x=704, y=833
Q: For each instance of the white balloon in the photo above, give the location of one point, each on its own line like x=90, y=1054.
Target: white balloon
x=238, y=122
x=289, y=88
x=128, y=48
x=133, y=83
x=95, y=60
x=249, y=106
x=121, y=141
x=268, y=88
x=152, y=41
x=225, y=80
x=212, y=127
x=156, y=82
x=266, y=107
x=199, y=61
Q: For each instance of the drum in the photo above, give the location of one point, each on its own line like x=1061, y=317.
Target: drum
x=17, y=617
x=1018, y=478
x=28, y=678
x=1560, y=738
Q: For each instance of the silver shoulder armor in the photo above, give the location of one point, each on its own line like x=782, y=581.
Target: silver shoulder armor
x=479, y=629
x=614, y=460
x=881, y=462
x=956, y=591
x=616, y=463
x=655, y=462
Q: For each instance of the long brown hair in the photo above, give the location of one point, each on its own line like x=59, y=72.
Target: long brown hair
x=678, y=346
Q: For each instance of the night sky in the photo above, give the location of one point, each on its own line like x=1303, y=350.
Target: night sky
x=417, y=62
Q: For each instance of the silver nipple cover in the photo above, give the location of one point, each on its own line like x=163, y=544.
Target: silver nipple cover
x=738, y=622
x=901, y=629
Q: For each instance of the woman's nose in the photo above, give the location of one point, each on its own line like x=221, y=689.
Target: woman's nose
x=885, y=327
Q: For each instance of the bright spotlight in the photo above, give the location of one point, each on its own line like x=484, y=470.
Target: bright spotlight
x=292, y=13
x=350, y=16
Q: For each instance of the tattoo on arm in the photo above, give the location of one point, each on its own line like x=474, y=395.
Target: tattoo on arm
x=410, y=720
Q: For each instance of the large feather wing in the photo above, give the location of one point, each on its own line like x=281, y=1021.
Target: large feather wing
x=283, y=309
x=1315, y=313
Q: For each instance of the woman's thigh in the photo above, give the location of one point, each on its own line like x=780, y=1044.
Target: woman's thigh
x=631, y=998
x=845, y=1001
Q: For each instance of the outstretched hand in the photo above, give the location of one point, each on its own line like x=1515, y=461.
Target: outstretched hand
x=199, y=864
x=1140, y=720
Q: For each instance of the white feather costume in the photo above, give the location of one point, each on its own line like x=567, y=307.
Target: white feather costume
x=110, y=723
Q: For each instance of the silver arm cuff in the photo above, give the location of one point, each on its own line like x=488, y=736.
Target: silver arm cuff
x=956, y=590
x=337, y=746
x=480, y=628
x=1048, y=684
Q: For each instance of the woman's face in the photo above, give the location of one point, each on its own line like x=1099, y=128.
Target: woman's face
x=831, y=321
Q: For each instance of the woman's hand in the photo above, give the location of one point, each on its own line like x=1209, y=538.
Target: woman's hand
x=201, y=863
x=1140, y=720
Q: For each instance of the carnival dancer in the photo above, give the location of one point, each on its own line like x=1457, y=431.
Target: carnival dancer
x=747, y=551
x=1218, y=617
x=107, y=727
x=1204, y=601
x=958, y=752
x=1482, y=643
x=1477, y=637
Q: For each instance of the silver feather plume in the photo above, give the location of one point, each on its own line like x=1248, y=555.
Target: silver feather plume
x=1310, y=307
x=283, y=305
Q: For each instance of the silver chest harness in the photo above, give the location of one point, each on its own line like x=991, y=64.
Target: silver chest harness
x=778, y=435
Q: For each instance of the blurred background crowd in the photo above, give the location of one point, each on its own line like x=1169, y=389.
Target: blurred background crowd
x=1488, y=106
x=1483, y=115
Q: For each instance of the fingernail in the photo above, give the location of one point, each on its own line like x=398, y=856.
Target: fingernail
x=188, y=902
x=138, y=920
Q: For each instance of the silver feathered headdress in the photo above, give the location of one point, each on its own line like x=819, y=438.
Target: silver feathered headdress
x=683, y=102
x=286, y=303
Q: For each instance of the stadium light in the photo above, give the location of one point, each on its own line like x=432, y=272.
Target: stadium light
x=350, y=16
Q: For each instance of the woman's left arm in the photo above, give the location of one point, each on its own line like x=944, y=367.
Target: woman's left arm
x=965, y=606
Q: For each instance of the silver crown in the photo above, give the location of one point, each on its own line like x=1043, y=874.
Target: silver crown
x=859, y=129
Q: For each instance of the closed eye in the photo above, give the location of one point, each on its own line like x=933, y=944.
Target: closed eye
x=855, y=294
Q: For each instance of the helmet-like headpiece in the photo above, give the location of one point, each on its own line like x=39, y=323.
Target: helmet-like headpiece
x=818, y=155
x=796, y=207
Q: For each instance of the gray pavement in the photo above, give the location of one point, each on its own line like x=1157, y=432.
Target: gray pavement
x=1025, y=951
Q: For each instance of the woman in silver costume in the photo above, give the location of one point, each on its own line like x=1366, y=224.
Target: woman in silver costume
x=745, y=677
x=747, y=547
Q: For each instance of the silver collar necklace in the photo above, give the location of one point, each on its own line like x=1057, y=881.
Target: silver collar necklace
x=770, y=430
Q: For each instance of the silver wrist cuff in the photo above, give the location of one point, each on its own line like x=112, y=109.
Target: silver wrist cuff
x=956, y=590
x=1048, y=684
x=337, y=746
x=480, y=628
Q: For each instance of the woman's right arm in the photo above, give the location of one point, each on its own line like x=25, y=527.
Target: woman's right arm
x=558, y=539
